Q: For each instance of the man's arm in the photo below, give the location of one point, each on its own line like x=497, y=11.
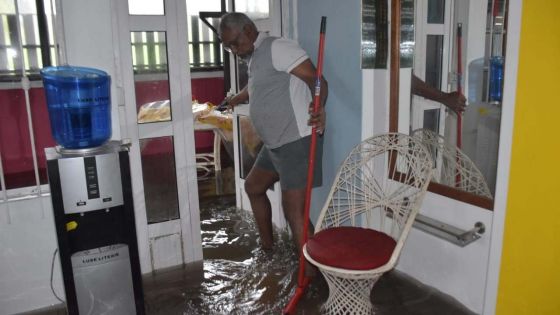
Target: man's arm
x=241, y=97
x=306, y=72
x=453, y=100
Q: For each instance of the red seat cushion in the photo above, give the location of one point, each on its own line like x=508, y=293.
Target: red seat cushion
x=351, y=248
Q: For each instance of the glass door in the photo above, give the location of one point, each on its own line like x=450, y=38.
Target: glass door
x=156, y=116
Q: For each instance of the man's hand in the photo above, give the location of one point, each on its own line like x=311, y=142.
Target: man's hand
x=317, y=120
x=233, y=100
x=454, y=101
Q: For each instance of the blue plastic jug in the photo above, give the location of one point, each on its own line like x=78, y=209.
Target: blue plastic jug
x=79, y=105
x=496, y=78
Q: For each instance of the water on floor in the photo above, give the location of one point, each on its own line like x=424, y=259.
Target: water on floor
x=236, y=277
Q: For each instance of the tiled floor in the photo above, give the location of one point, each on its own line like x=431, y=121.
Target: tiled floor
x=237, y=278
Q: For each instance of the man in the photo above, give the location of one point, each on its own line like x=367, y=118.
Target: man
x=281, y=83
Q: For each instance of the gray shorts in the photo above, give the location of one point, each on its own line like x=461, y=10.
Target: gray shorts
x=291, y=161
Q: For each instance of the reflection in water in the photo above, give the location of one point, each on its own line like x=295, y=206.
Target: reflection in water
x=237, y=277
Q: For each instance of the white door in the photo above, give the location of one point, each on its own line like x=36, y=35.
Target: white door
x=156, y=115
x=268, y=18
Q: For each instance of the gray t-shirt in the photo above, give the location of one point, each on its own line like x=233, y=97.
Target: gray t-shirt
x=279, y=100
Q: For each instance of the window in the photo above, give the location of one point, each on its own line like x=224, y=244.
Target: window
x=205, y=50
x=26, y=39
x=434, y=60
x=255, y=9
x=26, y=46
x=149, y=52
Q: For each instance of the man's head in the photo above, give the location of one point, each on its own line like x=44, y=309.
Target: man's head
x=238, y=33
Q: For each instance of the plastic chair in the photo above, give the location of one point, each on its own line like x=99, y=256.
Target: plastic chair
x=452, y=166
x=365, y=221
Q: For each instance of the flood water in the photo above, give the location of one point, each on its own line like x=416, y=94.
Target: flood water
x=236, y=277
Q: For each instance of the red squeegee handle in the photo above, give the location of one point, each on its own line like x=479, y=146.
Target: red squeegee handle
x=303, y=281
x=311, y=167
x=459, y=82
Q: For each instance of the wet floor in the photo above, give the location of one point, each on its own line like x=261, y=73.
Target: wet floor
x=236, y=277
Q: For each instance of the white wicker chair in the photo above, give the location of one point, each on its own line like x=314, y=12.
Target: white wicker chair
x=452, y=166
x=370, y=209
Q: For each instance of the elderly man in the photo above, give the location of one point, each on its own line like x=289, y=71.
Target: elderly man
x=280, y=88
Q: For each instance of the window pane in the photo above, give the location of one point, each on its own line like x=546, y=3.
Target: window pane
x=160, y=180
x=431, y=120
x=10, y=56
x=255, y=9
x=14, y=59
x=194, y=7
x=436, y=11
x=249, y=145
x=204, y=47
x=151, y=79
x=145, y=7
x=407, y=33
x=434, y=58
x=15, y=143
x=8, y=7
x=41, y=129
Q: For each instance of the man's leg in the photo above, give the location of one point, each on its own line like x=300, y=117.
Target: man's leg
x=256, y=184
x=293, y=202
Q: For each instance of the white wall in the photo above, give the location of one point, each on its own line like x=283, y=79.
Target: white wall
x=88, y=36
x=27, y=234
x=458, y=271
x=27, y=244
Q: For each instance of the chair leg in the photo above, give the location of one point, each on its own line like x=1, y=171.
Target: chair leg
x=217, y=157
x=348, y=296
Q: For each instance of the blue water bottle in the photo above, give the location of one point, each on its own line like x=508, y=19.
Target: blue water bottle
x=79, y=105
x=496, y=78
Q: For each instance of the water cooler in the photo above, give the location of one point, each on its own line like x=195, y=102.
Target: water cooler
x=91, y=194
x=94, y=217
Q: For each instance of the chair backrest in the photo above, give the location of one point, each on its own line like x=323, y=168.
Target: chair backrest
x=452, y=166
x=380, y=185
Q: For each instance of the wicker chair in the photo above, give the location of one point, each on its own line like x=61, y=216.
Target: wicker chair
x=370, y=209
x=452, y=166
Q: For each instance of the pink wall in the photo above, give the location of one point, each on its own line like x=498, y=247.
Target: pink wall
x=203, y=90
x=15, y=144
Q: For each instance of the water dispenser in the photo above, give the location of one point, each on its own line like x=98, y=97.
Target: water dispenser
x=91, y=195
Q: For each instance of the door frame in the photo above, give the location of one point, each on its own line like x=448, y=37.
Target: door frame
x=181, y=128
